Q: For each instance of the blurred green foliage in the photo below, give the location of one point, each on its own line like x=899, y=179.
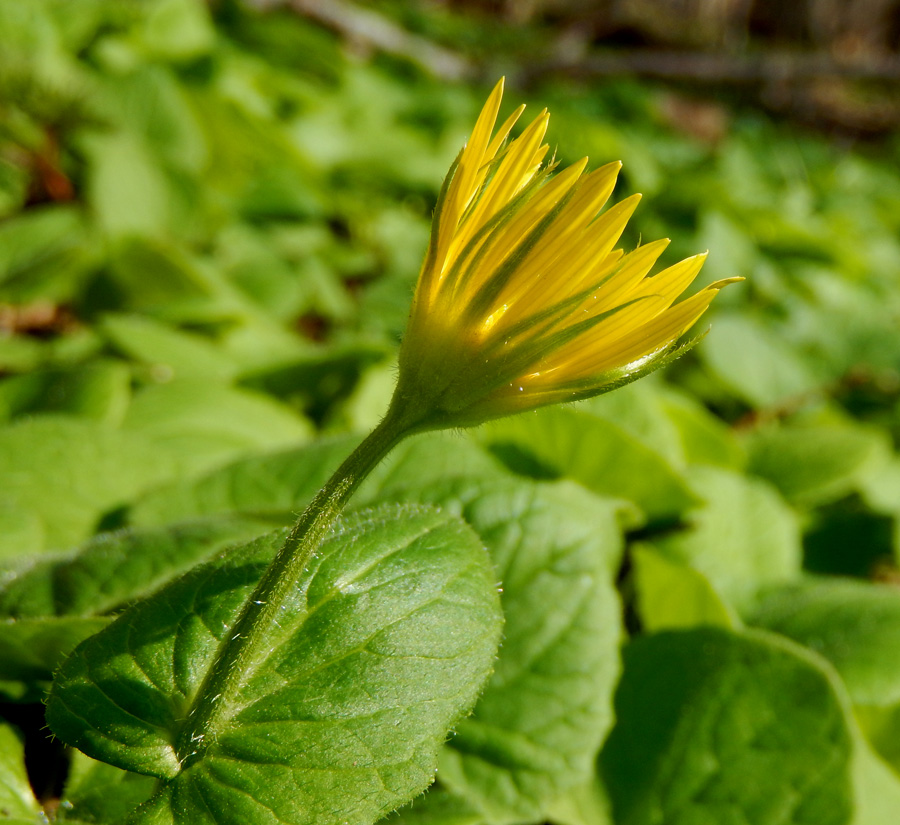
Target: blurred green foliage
x=211, y=222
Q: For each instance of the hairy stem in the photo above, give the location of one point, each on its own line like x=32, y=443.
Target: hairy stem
x=249, y=639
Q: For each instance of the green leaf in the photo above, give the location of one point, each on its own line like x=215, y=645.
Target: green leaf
x=394, y=628
x=880, y=487
x=755, y=364
x=21, y=533
x=877, y=788
x=725, y=727
x=177, y=30
x=704, y=438
x=314, y=379
x=812, y=465
x=97, y=792
x=851, y=623
x=169, y=352
x=881, y=726
x=586, y=804
x=52, y=603
x=429, y=460
x=21, y=353
x=274, y=485
x=202, y=423
x=540, y=721
x=100, y=391
x=672, y=595
x=364, y=408
x=437, y=807
x=638, y=410
x=743, y=537
x=65, y=473
x=179, y=286
x=606, y=459
x=31, y=649
x=17, y=803
x=44, y=254
x=126, y=189
x=115, y=568
x=278, y=484
x=153, y=103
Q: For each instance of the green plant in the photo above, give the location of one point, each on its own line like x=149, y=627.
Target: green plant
x=697, y=611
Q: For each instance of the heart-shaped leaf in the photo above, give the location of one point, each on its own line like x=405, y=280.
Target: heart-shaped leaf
x=717, y=726
x=392, y=630
x=542, y=717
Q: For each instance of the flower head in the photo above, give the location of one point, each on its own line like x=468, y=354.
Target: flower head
x=523, y=299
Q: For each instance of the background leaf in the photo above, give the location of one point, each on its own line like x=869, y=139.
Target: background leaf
x=93, y=470
x=812, y=465
x=17, y=803
x=564, y=442
x=542, y=716
x=97, y=792
x=850, y=623
x=115, y=568
x=671, y=595
x=717, y=726
x=273, y=485
x=742, y=537
x=31, y=650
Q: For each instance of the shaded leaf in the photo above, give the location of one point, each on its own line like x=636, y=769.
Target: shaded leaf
x=606, y=459
x=97, y=792
x=540, y=721
x=438, y=806
x=272, y=485
x=115, y=568
x=743, y=536
x=853, y=624
x=17, y=803
x=812, y=465
x=99, y=391
x=716, y=726
x=31, y=649
x=670, y=595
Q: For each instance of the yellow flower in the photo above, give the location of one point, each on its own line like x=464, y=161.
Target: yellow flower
x=523, y=299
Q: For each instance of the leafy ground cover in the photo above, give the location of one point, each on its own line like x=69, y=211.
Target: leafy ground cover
x=211, y=227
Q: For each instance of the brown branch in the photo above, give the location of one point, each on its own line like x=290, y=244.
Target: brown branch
x=763, y=67
x=371, y=31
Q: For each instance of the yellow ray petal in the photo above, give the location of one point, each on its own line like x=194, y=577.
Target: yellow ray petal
x=673, y=281
x=659, y=332
x=526, y=299
x=497, y=191
x=619, y=287
x=560, y=264
x=590, y=347
x=504, y=244
x=502, y=134
x=472, y=160
x=518, y=158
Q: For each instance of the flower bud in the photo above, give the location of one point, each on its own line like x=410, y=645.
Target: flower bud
x=523, y=299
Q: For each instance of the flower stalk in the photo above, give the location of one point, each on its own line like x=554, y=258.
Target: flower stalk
x=247, y=642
